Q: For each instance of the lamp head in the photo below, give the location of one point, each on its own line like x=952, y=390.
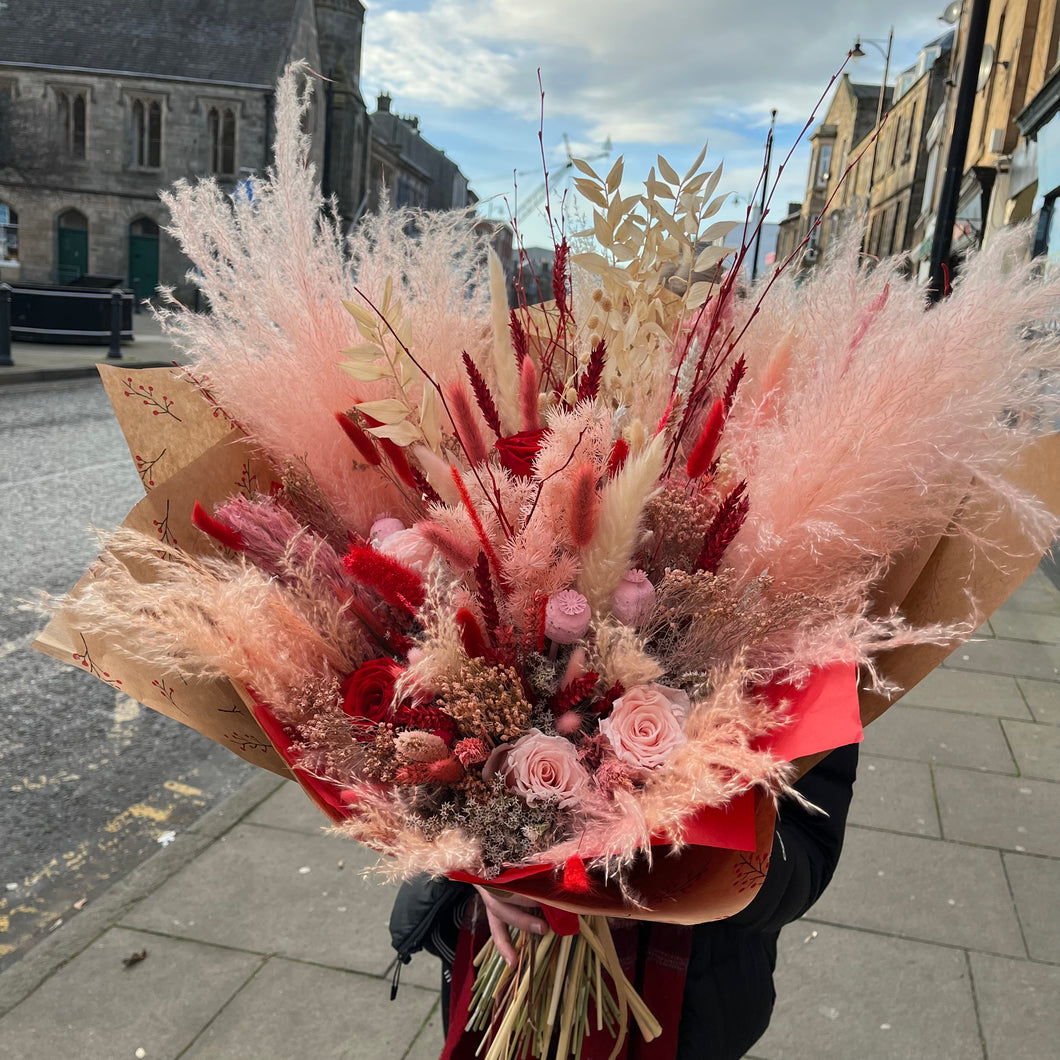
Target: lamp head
x=857, y=52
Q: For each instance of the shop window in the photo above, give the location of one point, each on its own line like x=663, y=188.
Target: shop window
x=147, y=134
x=221, y=141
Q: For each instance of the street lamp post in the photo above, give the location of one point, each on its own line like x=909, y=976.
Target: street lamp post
x=857, y=53
x=762, y=204
x=942, y=241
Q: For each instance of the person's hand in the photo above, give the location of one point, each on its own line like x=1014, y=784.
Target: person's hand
x=514, y=910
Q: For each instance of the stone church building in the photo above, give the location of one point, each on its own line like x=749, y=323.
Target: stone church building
x=104, y=102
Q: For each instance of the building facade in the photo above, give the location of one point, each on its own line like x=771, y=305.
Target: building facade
x=835, y=198
x=407, y=170
x=94, y=124
x=902, y=161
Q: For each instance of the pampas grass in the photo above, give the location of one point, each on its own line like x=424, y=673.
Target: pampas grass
x=891, y=413
x=276, y=271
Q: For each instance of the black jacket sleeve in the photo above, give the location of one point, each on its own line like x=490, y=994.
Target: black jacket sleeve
x=806, y=845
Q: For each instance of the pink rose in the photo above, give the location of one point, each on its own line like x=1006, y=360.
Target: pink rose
x=647, y=725
x=540, y=767
x=408, y=547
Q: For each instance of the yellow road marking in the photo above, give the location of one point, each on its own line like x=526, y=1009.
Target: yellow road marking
x=181, y=789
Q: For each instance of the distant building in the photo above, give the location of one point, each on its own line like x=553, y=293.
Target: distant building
x=406, y=170
x=104, y=102
x=906, y=157
x=789, y=232
x=838, y=143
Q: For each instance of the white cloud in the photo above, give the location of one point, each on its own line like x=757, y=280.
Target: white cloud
x=644, y=69
x=650, y=76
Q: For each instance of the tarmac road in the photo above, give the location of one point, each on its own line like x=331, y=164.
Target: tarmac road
x=90, y=782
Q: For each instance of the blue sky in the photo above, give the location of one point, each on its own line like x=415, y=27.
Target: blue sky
x=654, y=77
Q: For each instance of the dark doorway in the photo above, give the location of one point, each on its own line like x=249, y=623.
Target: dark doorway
x=143, y=258
x=72, y=258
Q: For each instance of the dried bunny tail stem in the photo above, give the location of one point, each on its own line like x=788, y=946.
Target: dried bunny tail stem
x=438, y=475
x=609, y=554
x=529, y=389
x=467, y=428
x=504, y=363
x=584, y=505
x=619, y=657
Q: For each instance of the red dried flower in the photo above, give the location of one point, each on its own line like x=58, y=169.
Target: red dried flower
x=219, y=531
x=446, y=771
x=703, y=451
x=368, y=692
x=517, y=452
x=397, y=584
x=723, y=528
x=575, y=877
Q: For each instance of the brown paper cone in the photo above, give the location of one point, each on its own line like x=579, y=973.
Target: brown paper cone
x=227, y=466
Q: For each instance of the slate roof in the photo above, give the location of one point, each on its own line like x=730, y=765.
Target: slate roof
x=234, y=41
x=872, y=92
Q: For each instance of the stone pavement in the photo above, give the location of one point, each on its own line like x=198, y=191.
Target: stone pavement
x=939, y=938
x=40, y=362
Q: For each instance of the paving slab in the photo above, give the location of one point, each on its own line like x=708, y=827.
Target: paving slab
x=923, y=889
x=249, y=891
x=1036, y=890
x=851, y=995
x=1011, y=813
x=1018, y=1007
x=1037, y=594
x=292, y=809
x=1043, y=699
x=972, y=693
x=941, y=736
x=1036, y=748
x=1016, y=657
x=428, y=1043
x=291, y=1009
x=895, y=795
x=97, y=1008
x=1026, y=625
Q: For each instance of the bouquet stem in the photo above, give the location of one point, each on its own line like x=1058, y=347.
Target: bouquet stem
x=548, y=995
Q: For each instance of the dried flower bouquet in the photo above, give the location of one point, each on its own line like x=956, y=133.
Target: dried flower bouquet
x=519, y=595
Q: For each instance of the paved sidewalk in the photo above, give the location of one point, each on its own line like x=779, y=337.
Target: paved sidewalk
x=938, y=940
x=40, y=362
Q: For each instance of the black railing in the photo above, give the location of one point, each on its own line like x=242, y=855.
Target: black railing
x=64, y=315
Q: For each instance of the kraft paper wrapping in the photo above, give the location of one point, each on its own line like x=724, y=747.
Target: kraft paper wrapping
x=185, y=450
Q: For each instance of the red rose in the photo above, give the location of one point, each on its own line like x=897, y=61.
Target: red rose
x=368, y=692
x=517, y=451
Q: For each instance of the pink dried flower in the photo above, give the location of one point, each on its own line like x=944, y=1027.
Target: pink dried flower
x=529, y=387
x=646, y=725
x=540, y=768
x=417, y=746
x=471, y=751
x=458, y=554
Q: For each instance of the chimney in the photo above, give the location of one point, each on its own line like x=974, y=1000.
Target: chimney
x=383, y=103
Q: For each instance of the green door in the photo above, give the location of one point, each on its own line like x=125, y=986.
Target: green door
x=143, y=264
x=73, y=253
